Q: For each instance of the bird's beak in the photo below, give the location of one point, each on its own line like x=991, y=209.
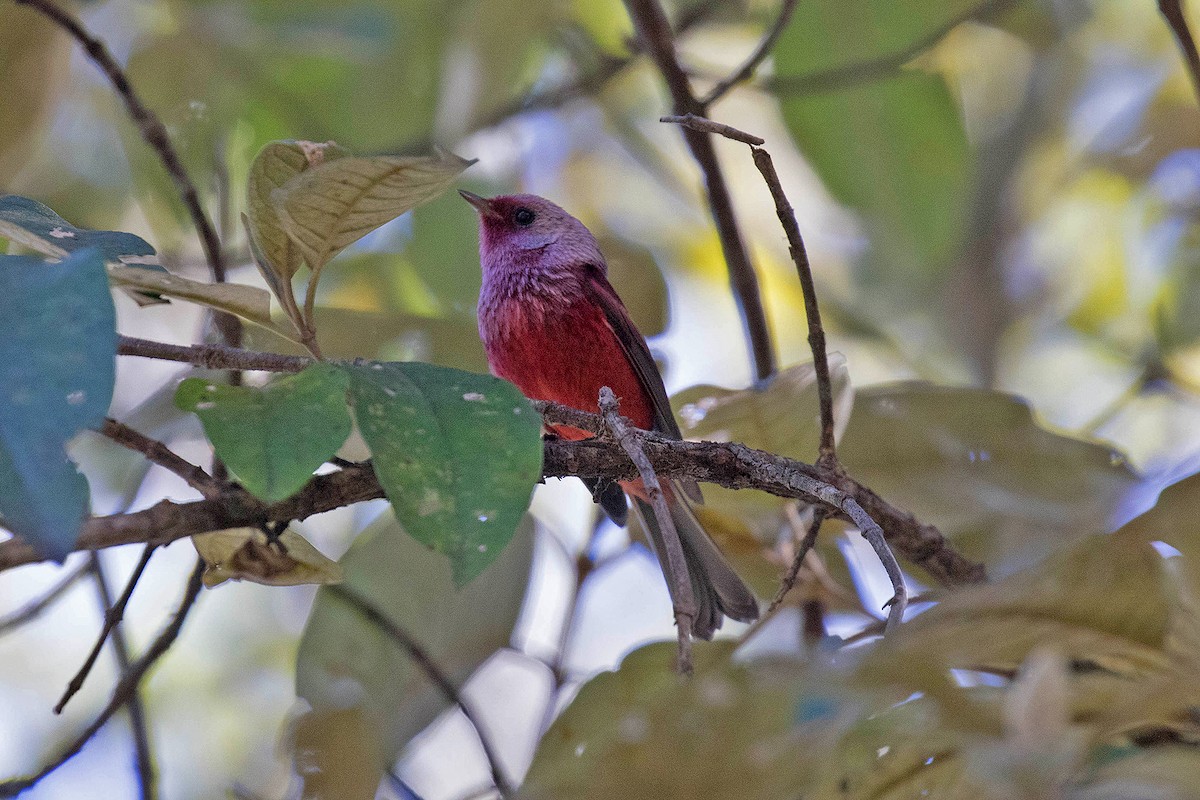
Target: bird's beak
x=482, y=204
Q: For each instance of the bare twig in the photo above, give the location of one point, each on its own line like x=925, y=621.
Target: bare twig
x=657, y=40
x=155, y=134
x=812, y=311
x=806, y=545
x=860, y=72
x=675, y=568
x=731, y=465
x=112, y=617
x=212, y=356
x=746, y=70
x=875, y=537
x=432, y=670
x=138, y=726
x=1172, y=11
x=158, y=453
x=123, y=691
x=34, y=609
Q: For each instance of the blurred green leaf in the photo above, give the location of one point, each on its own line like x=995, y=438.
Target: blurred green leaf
x=33, y=60
x=731, y=731
x=892, y=146
x=1157, y=773
x=1105, y=602
x=274, y=437
x=976, y=464
x=457, y=453
x=57, y=367
x=347, y=664
x=335, y=203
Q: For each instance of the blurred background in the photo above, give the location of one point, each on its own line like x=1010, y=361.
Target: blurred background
x=995, y=195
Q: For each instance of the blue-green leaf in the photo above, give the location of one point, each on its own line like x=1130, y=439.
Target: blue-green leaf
x=57, y=365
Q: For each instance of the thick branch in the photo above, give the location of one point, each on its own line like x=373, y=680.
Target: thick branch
x=212, y=356
x=657, y=40
x=728, y=464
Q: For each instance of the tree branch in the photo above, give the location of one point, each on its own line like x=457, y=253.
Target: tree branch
x=155, y=134
x=124, y=689
x=728, y=464
x=657, y=40
x=435, y=673
x=212, y=356
x=158, y=453
x=1172, y=11
x=138, y=725
x=746, y=70
x=683, y=600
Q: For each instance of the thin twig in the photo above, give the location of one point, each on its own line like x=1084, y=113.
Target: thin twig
x=432, y=670
x=657, y=40
x=799, y=253
x=138, y=725
x=874, y=536
x=212, y=356
x=158, y=453
x=857, y=73
x=34, y=609
x=123, y=691
x=732, y=465
x=112, y=616
x=155, y=134
x=806, y=545
x=746, y=70
x=675, y=569
x=1172, y=11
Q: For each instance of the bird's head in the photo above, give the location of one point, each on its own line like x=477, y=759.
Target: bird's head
x=531, y=231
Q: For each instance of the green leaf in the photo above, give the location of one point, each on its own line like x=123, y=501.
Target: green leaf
x=729, y=732
x=277, y=257
x=893, y=147
x=275, y=437
x=976, y=464
x=248, y=302
x=57, y=366
x=346, y=663
x=457, y=453
x=37, y=227
x=331, y=205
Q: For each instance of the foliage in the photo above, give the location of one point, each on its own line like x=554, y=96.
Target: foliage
x=1000, y=204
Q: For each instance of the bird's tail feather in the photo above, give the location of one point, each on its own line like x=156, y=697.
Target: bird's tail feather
x=718, y=590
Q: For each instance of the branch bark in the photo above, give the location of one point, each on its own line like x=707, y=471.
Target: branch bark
x=658, y=41
x=728, y=464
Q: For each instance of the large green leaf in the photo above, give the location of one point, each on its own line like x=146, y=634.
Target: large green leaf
x=976, y=464
x=893, y=148
x=458, y=455
x=732, y=731
x=275, y=437
x=335, y=203
x=57, y=366
x=347, y=665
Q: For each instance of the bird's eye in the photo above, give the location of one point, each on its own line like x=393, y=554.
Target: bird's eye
x=523, y=217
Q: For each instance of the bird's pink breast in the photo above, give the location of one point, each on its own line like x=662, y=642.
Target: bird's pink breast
x=562, y=352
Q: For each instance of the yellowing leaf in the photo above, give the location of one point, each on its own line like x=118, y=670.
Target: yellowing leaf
x=248, y=302
x=331, y=205
x=245, y=554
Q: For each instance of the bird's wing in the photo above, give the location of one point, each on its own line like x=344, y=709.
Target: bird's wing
x=638, y=353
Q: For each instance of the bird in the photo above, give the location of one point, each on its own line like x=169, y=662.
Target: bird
x=552, y=324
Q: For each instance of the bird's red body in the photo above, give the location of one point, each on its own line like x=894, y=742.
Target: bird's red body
x=553, y=325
